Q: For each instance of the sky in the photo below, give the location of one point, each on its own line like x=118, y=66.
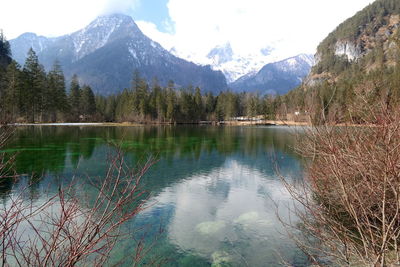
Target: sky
x=193, y=27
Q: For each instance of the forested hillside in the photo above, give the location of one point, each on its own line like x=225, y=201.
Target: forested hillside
x=357, y=68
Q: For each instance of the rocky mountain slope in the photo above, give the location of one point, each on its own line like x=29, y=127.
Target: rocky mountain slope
x=106, y=53
x=357, y=71
x=370, y=39
x=276, y=78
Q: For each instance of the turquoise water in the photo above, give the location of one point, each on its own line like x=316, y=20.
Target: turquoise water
x=213, y=191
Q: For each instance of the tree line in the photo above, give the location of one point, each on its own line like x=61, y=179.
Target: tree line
x=30, y=94
x=151, y=102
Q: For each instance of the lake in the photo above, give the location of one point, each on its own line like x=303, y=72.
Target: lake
x=213, y=191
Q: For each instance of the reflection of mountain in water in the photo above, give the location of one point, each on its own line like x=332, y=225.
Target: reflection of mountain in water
x=213, y=188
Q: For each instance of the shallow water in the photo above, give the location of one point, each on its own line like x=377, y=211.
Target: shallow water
x=214, y=191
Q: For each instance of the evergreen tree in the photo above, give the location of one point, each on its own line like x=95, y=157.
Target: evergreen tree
x=210, y=106
x=56, y=96
x=227, y=106
x=199, y=106
x=158, y=104
x=110, y=108
x=34, y=79
x=10, y=99
x=186, y=105
x=74, y=98
x=87, y=102
x=123, y=109
x=251, y=105
x=5, y=52
x=140, y=90
x=171, y=102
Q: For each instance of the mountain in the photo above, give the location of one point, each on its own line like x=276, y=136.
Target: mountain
x=223, y=58
x=106, y=53
x=368, y=40
x=276, y=78
x=357, y=70
x=25, y=41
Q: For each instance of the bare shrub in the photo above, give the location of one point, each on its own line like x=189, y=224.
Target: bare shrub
x=68, y=230
x=350, y=200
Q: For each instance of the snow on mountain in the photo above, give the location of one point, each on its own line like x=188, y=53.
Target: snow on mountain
x=101, y=31
x=107, y=52
x=240, y=65
x=233, y=65
x=25, y=42
x=276, y=78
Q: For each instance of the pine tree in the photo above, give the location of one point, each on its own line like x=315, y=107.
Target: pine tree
x=110, y=108
x=199, y=106
x=5, y=52
x=210, y=106
x=158, y=101
x=74, y=98
x=56, y=95
x=171, y=102
x=10, y=95
x=187, y=106
x=87, y=102
x=34, y=78
x=123, y=107
x=251, y=105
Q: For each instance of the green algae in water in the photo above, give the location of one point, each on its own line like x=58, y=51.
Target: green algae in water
x=226, y=226
x=14, y=150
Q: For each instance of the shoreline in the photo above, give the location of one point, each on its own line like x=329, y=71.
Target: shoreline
x=132, y=124
x=209, y=123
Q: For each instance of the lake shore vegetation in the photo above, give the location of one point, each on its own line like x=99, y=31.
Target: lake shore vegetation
x=349, y=202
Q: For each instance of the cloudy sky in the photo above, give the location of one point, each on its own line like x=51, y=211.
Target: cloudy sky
x=193, y=27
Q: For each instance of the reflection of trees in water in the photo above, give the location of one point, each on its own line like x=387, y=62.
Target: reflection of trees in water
x=6, y=184
x=45, y=150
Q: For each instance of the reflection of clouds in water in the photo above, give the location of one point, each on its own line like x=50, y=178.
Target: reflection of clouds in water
x=228, y=210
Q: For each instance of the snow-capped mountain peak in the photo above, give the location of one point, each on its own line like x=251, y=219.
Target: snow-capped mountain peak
x=105, y=53
x=309, y=59
x=296, y=64
x=100, y=32
x=278, y=77
x=235, y=65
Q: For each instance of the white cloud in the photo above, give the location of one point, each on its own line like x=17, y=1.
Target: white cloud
x=55, y=17
x=291, y=26
x=120, y=6
x=195, y=27
x=150, y=29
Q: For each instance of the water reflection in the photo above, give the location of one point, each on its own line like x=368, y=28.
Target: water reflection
x=227, y=216
x=214, y=189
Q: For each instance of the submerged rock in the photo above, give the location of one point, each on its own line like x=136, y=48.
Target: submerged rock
x=247, y=217
x=221, y=258
x=209, y=228
x=252, y=219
